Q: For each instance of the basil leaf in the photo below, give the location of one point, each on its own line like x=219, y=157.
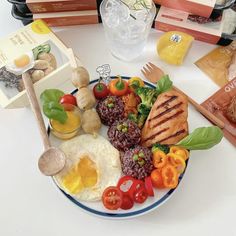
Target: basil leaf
x=202, y=138
x=50, y=95
x=54, y=110
x=164, y=84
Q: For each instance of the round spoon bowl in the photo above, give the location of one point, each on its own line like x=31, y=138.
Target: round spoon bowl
x=51, y=161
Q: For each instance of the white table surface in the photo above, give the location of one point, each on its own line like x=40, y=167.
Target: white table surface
x=204, y=203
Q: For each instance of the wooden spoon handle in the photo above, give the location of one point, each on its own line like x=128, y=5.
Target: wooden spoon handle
x=36, y=109
x=203, y=110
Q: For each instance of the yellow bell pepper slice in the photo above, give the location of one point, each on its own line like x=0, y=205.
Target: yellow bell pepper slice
x=184, y=153
x=177, y=161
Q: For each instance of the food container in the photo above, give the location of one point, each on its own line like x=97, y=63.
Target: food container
x=72, y=125
x=59, y=18
x=197, y=7
x=68, y=18
x=228, y=4
x=21, y=6
x=211, y=32
x=32, y=38
x=24, y=18
x=42, y=6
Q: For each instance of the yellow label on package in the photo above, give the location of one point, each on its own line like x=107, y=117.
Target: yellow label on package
x=25, y=40
x=36, y=49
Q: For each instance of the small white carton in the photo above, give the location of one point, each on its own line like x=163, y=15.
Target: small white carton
x=40, y=43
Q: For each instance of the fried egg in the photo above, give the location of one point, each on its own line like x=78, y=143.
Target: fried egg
x=21, y=64
x=92, y=164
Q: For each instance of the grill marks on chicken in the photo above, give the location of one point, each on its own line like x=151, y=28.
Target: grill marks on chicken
x=167, y=120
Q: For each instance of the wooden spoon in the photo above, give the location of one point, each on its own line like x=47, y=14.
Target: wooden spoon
x=53, y=159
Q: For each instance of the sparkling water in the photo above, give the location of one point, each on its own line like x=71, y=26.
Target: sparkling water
x=126, y=30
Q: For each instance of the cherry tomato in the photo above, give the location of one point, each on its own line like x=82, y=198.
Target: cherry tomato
x=118, y=87
x=135, y=82
x=170, y=176
x=148, y=186
x=100, y=90
x=140, y=195
x=112, y=198
x=127, y=202
x=159, y=159
x=136, y=186
x=125, y=183
x=156, y=178
x=68, y=99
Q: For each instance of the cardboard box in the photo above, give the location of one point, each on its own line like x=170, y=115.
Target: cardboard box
x=169, y=19
x=30, y=40
x=197, y=7
x=68, y=18
x=40, y=6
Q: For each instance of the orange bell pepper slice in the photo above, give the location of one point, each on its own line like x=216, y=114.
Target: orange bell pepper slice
x=170, y=176
x=118, y=87
x=177, y=161
x=159, y=159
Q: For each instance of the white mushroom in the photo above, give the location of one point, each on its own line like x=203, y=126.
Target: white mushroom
x=53, y=61
x=80, y=77
x=41, y=65
x=44, y=56
x=37, y=75
x=85, y=98
x=49, y=70
x=91, y=122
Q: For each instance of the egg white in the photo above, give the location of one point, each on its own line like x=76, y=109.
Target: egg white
x=102, y=153
x=18, y=71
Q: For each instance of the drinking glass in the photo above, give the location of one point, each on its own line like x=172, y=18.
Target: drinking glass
x=127, y=24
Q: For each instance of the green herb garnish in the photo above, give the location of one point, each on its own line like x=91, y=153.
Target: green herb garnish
x=164, y=84
x=51, y=106
x=202, y=138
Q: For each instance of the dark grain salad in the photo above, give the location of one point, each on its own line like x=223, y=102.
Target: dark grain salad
x=110, y=109
x=124, y=134
x=137, y=162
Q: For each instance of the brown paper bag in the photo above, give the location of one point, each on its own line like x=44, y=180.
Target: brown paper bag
x=216, y=63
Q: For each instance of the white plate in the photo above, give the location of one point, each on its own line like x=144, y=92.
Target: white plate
x=97, y=208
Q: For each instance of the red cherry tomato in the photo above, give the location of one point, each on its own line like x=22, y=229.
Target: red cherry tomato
x=137, y=185
x=125, y=183
x=127, y=202
x=100, y=90
x=68, y=99
x=140, y=195
x=112, y=198
x=149, y=187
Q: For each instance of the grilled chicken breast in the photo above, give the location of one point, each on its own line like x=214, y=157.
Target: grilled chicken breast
x=167, y=120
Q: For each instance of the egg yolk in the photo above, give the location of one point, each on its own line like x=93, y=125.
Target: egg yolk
x=82, y=175
x=22, y=61
x=72, y=123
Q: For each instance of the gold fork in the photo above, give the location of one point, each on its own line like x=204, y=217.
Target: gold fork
x=153, y=74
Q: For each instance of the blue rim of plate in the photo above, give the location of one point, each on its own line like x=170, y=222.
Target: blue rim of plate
x=120, y=215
